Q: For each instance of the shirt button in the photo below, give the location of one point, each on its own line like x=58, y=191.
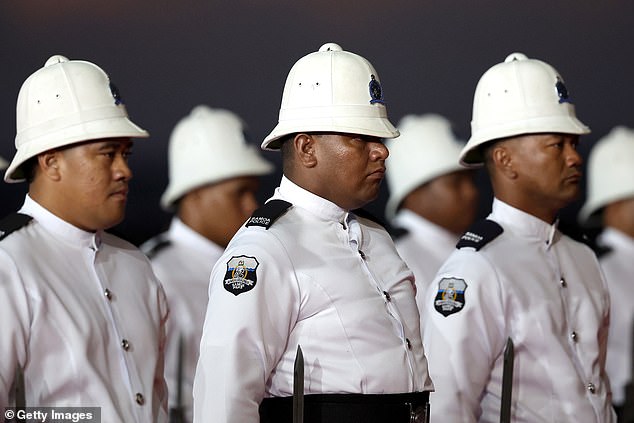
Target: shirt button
x=574, y=336
x=591, y=388
x=563, y=283
x=108, y=294
x=139, y=398
x=125, y=345
x=409, y=344
x=388, y=298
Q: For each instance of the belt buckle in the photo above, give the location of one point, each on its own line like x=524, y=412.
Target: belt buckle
x=419, y=414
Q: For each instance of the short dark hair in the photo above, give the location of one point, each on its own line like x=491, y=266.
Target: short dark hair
x=29, y=169
x=288, y=151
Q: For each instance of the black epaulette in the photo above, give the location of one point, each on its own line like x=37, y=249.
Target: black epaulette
x=12, y=223
x=152, y=246
x=266, y=215
x=480, y=234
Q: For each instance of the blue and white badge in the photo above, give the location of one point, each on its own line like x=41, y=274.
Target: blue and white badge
x=450, y=298
x=241, y=276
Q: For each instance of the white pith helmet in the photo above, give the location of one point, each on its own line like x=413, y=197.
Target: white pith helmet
x=610, y=172
x=65, y=102
x=209, y=146
x=426, y=149
x=332, y=90
x=519, y=96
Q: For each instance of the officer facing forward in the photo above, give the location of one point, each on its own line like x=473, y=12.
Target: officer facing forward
x=515, y=275
x=213, y=181
x=307, y=271
x=82, y=314
x=610, y=204
x=433, y=199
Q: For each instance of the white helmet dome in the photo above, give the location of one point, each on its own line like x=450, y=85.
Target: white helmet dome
x=427, y=148
x=519, y=96
x=65, y=102
x=209, y=146
x=332, y=90
x=610, y=172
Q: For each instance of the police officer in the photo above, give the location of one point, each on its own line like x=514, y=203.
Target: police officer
x=212, y=185
x=433, y=199
x=610, y=203
x=515, y=275
x=308, y=271
x=81, y=311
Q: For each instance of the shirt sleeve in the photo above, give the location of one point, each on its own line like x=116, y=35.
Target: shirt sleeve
x=15, y=321
x=462, y=339
x=253, y=305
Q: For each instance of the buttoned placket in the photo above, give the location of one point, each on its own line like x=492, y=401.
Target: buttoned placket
x=355, y=240
x=573, y=334
x=110, y=303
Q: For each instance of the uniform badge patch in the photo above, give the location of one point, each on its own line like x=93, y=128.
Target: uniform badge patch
x=241, y=276
x=450, y=298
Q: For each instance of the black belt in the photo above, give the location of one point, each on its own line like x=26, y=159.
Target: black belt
x=349, y=408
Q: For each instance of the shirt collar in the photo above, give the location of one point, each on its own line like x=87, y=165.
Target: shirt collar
x=304, y=199
x=522, y=223
x=59, y=227
x=179, y=232
x=423, y=228
x=612, y=237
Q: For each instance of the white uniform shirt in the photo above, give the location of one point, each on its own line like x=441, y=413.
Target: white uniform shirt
x=319, y=277
x=544, y=291
x=424, y=248
x=83, y=315
x=618, y=267
x=183, y=267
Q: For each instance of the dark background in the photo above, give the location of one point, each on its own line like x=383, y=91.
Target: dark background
x=166, y=57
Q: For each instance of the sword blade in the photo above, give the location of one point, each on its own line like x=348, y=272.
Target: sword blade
x=298, y=387
x=507, y=382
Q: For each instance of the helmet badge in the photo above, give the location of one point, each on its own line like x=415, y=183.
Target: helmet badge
x=376, y=92
x=562, y=91
x=115, y=94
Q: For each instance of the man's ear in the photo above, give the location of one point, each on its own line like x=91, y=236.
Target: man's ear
x=49, y=164
x=502, y=156
x=305, y=145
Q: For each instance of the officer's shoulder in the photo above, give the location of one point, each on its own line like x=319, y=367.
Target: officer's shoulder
x=266, y=215
x=13, y=223
x=480, y=234
x=154, y=245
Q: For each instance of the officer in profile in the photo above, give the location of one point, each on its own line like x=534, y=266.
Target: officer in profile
x=610, y=206
x=213, y=179
x=82, y=314
x=433, y=199
x=307, y=270
x=514, y=278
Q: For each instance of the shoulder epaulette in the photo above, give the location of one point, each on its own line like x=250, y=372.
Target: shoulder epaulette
x=367, y=215
x=152, y=246
x=479, y=234
x=12, y=223
x=266, y=215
